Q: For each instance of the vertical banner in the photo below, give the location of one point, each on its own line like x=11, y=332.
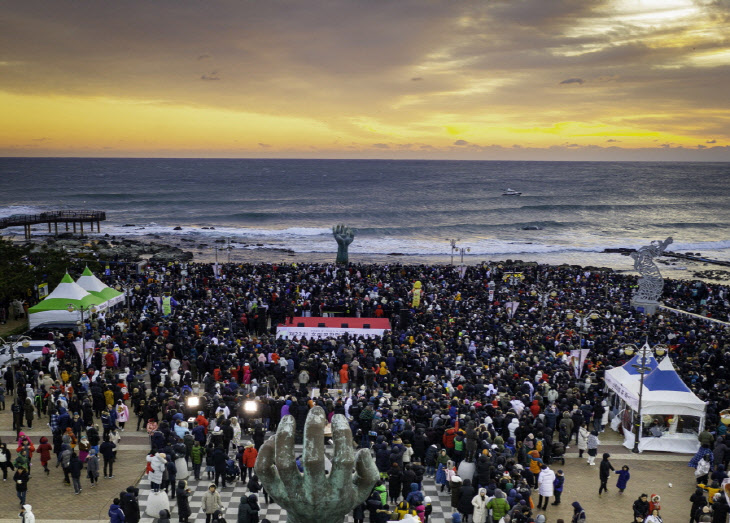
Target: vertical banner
x=416, y=295
x=512, y=307
x=578, y=360
x=42, y=290
x=462, y=271
x=86, y=351
x=216, y=270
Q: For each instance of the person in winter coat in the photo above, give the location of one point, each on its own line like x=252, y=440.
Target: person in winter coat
x=158, y=464
x=604, y=473
x=440, y=478
x=579, y=515
x=415, y=496
x=74, y=468
x=623, y=478
x=698, y=501
x=592, y=445
x=558, y=484
x=183, y=501
x=720, y=508
x=248, y=510
x=107, y=451
x=545, y=486
x=582, y=440
x=122, y=414
x=6, y=460
x=129, y=502
x=116, y=515
x=211, y=502
x=654, y=517
x=92, y=467
x=394, y=483
x=248, y=461
x=702, y=471
x=44, y=450
x=641, y=506
x=164, y=516
x=498, y=505
x=479, y=502
x=26, y=514
x=654, y=502
x=455, y=486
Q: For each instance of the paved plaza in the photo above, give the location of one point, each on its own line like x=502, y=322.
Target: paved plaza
x=53, y=501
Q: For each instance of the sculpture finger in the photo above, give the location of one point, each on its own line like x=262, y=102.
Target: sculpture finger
x=265, y=469
x=284, y=441
x=366, y=475
x=344, y=455
x=313, y=454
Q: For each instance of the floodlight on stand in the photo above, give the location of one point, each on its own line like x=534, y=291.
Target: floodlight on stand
x=250, y=407
x=192, y=402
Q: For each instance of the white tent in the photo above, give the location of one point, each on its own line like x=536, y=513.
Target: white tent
x=95, y=286
x=669, y=408
x=54, y=308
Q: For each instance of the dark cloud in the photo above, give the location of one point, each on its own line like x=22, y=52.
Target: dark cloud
x=700, y=146
x=461, y=142
x=203, y=56
x=612, y=140
x=212, y=76
x=711, y=141
x=264, y=145
x=381, y=146
x=416, y=79
x=572, y=81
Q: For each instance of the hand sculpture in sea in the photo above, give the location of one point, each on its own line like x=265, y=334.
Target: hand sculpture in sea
x=343, y=236
x=313, y=496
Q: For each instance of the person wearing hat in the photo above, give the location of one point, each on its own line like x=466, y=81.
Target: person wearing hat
x=558, y=484
x=604, y=473
x=211, y=502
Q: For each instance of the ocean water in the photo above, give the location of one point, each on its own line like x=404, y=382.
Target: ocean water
x=412, y=208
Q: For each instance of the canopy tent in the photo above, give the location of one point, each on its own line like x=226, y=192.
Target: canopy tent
x=54, y=308
x=672, y=414
x=95, y=286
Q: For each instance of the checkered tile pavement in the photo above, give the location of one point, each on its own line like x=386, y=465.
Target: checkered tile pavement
x=231, y=497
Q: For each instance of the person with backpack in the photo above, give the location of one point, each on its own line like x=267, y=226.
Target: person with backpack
x=579, y=515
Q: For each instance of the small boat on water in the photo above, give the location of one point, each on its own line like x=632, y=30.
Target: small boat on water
x=511, y=192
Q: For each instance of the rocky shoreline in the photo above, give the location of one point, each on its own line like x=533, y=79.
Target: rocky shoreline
x=169, y=249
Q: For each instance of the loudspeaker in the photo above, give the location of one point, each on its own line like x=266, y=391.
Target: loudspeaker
x=320, y=325
x=300, y=324
x=344, y=325
x=366, y=326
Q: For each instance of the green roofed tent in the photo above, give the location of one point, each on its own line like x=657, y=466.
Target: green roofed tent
x=54, y=309
x=95, y=286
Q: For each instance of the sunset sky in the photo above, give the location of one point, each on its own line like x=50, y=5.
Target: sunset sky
x=490, y=79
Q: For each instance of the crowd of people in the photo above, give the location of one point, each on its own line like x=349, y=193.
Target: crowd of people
x=475, y=369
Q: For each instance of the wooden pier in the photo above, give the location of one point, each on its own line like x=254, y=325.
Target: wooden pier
x=53, y=218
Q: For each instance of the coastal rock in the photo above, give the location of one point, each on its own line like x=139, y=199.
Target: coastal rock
x=178, y=228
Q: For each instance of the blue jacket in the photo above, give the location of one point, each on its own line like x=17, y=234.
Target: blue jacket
x=115, y=514
x=623, y=479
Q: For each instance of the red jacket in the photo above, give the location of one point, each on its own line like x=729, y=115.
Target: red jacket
x=249, y=457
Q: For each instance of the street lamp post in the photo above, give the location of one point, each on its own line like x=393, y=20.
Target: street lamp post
x=642, y=368
x=539, y=290
x=582, y=319
x=454, y=248
x=127, y=293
